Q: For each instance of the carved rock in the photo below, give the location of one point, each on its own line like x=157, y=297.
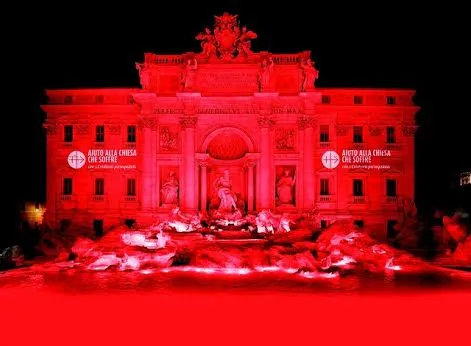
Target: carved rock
x=168, y=138
x=285, y=139
x=266, y=121
x=188, y=121
x=149, y=123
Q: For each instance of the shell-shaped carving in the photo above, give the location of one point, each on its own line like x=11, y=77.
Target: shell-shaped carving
x=227, y=146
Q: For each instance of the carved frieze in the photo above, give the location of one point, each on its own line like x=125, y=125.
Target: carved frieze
x=286, y=109
x=168, y=109
x=147, y=123
x=188, y=121
x=168, y=138
x=409, y=130
x=341, y=130
x=375, y=131
x=266, y=120
x=306, y=122
x=285, y=139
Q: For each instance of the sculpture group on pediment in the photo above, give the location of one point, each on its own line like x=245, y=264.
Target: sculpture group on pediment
x=309, y=75
x=144, y=75
x=265, y=74
x=188, y=75
x=227, y=40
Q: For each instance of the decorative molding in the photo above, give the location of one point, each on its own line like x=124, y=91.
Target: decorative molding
x=51, y=129
x=306, y=122
x=114, y=129
x=285, y=139
x=168, y=138
x=375, y=131
x=409, y=130
x=266, y=121
x=82, y=129
x=188, y=121
x=147, y=123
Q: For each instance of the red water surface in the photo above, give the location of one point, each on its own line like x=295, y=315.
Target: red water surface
x=199, y=317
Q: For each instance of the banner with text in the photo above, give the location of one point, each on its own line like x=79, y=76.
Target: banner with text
x=356, y=159
x=103, y=159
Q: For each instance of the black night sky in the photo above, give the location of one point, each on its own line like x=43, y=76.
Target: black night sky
x=354, y=45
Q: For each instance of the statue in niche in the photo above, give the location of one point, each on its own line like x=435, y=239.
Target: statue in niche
x=170, y=189
x=310, y=74
x=223, y=187
x=144, y=75
x=284, y=188
x=189, y=74
x=208, y=43
x=265, y=73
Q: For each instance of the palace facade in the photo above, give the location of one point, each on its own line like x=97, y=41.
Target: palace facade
x=227, y=114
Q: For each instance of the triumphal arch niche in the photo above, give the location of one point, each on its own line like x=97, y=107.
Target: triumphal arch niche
x=234, y=127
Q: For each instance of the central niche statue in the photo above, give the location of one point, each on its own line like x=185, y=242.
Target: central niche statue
x=228, y=40
x=228, y=200
x=285, y=187
x=170, y=190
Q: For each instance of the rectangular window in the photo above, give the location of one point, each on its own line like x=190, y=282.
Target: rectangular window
x=99, y=99
x=68, y=133
x=100, y=133
x=98, y=227
x=324, y=133
x=390, y=135
x=391, y=188
x=357, y=187
x=67, y=186
x=358, y=100
x=131, y=187
x=131, y=134
x=390, y=100
x=324, y=187
x=357, y=134
x=99, y=187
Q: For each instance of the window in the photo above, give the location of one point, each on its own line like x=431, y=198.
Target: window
x=99, y=99
x=68, y=133
x=131, y=133
x=67, y=186
x=359, y=223
x=357, y=187
x=98, y=227
x=391, y=188
x=357, y=134
x=390, y=100
x=68, y=99
x=325, y=99
x=358, y=100
x=131, y=187
x=99, y=187
x=324, y=133
x=324, y=187
x=323, y=224
x=390, y=135
x=100, y=133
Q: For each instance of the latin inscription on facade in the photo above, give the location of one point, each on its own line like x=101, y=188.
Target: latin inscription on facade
x=242, y=82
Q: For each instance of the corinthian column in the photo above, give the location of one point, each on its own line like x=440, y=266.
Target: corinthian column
x=250, y=185
x=266, y=123
x=148, y=186
x=189, y=188
x=203, y=184
x=306, y=123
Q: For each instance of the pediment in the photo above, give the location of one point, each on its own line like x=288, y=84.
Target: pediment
x=358, y=171
x=392, y=171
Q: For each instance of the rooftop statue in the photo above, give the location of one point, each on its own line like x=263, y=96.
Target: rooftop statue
x=227, y=41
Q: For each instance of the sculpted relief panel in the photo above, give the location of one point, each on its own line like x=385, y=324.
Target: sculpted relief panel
x=168, y=138
x=285, y=139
